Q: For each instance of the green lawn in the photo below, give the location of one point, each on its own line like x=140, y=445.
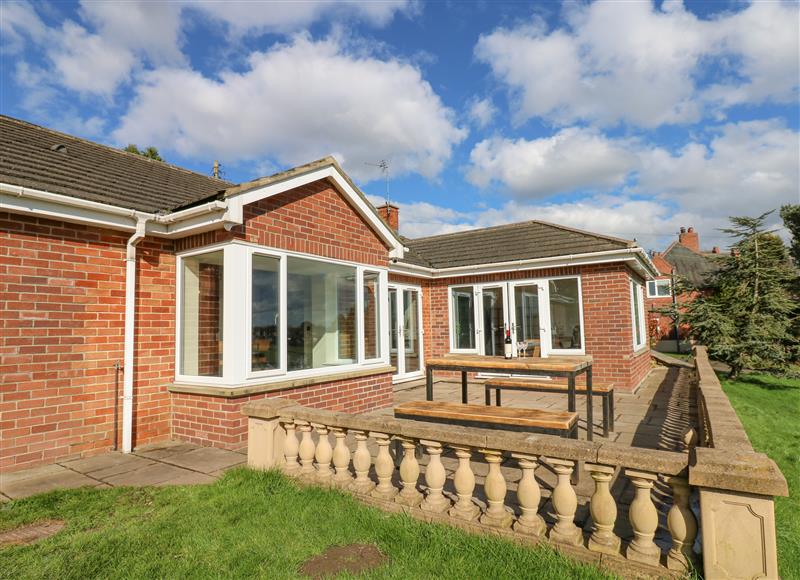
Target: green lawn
x=248, y=524
x=769, y=408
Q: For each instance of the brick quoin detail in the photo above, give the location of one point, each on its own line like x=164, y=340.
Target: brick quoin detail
x=219, y=422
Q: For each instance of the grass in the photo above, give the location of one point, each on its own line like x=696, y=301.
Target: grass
x=769, y=408
x=249, y=524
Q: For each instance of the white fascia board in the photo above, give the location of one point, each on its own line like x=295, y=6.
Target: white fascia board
x=633, y=256
x=272, y=189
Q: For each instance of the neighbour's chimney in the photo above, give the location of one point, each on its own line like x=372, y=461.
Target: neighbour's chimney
x=390, y=213
x=690, y=239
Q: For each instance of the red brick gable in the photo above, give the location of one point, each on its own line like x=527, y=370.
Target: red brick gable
x=313, y=219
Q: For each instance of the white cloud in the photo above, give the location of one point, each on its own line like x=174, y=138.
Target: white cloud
x=296, y=102
x=748, y=168
x=572, y=159
x=18, y=21
x=245, y=17
x=631, y=62
x=481, y=112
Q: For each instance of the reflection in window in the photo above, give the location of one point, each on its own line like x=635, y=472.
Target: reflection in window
x=565, y=314
x=638, y=314
x=464, y=318
x=265, y=346
x=321, y=314
x=659, y=288
x=372, y=319
x=526, y=302
x=201, y=315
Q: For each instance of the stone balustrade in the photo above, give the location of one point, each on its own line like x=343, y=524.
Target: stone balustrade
x=645, y=506
x=382, y=459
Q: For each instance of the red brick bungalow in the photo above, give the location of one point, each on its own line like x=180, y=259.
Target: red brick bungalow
x=143, y=302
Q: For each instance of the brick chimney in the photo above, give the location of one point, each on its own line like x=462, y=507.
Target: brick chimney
x=390, y=214
x=690, y=239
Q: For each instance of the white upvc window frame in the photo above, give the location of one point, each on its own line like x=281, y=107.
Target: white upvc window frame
x=565, y=351
x=475, y=318
x=637, y=289
x=544, y=313
x=237, y=319
x=656, y=283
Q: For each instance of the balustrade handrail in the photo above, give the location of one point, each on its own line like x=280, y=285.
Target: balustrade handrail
x=726, y=458
x=607, y=453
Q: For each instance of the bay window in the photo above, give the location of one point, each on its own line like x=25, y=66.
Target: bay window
x=301, y=315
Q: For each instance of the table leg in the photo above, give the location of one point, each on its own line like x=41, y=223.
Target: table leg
x=464, y=387
x=589, y=406
x=429, y=384
x=571, y=393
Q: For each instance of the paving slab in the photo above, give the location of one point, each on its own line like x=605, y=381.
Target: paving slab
x=164, y=449
x=15, y=476
x=205, y=459
x=149, y=475
x=107, y=465
x=63, y=479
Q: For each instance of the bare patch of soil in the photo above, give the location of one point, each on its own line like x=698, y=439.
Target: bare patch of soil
x=31, y=533
x=352, y=558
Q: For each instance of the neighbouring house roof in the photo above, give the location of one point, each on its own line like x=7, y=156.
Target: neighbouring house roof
x=39, y=158
x=692, y=266
x=521, y=241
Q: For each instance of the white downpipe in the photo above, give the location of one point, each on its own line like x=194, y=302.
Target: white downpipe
x=130, y=322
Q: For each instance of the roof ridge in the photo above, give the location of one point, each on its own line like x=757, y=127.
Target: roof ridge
x=461, y=232
x=115, y=150
x=628, y=243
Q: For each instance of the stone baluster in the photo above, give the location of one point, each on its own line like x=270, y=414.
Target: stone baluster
x=495, y=488
x=306, y=449
x=323, y=454
x=435, y=476
x=464, y=481
x=361, y=462
x=604, y=511
x=528, y=495
x=384, y=468
x=565, y=503
x=341, y=458
x=409, y=474
x=644, y=519
x=682, y=525
x=290, y=447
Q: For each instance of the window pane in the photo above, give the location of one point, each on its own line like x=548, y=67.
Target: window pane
x=526, y=305
x=663, y=288
x=372, y=319
x=411, y=330
x=463, y=318
x=201, y=315
x=652, y=289
x=637, y=326
x=265, y=342
x=321, y=314
x=565, y=314
x=393, y=330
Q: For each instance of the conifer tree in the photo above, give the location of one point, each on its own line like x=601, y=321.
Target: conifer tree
x=745, y=317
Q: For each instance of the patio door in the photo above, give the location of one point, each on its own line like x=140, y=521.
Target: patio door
x=405, y=331
x=516, y=306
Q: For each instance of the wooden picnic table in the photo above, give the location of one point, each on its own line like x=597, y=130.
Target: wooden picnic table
x=555, y=366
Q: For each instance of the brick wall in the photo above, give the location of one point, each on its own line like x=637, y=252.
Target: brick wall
x=219, y=422
x=608, y=327
x=62, y=299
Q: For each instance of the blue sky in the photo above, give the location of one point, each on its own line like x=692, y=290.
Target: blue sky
x=626, y=118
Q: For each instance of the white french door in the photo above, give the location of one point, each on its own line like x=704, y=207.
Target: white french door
x=520, y=307
x=405, y=331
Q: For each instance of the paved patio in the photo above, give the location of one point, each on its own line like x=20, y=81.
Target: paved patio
x=168, y=463
x=655, y=417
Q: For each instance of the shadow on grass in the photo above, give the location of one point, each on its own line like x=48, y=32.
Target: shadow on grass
x=766, y=382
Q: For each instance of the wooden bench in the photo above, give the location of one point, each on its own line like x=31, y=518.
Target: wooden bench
x=508, y=418
x=606, y=392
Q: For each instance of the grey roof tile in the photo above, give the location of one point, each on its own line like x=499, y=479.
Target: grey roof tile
x=30, y=156
x=691, y=265
x=521, y=241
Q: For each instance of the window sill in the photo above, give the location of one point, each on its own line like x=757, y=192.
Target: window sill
x=228, y=392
